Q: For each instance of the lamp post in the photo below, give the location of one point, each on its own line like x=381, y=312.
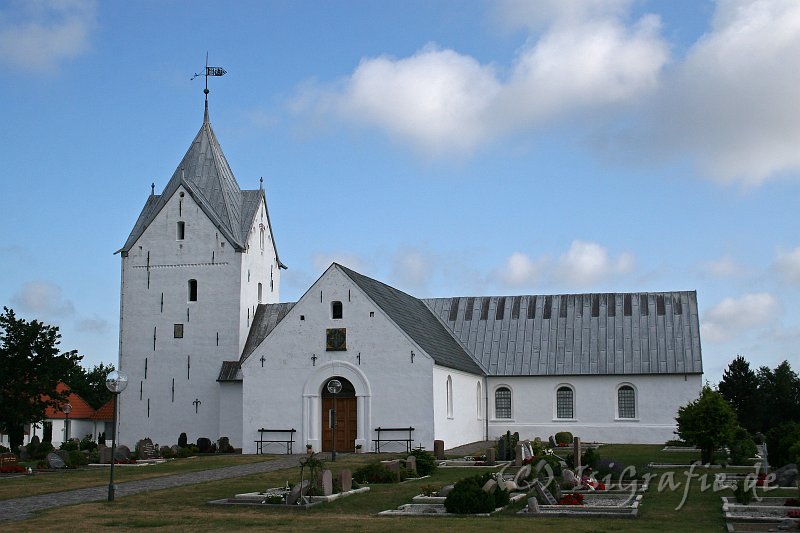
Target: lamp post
x=334, y=387
x=67, y=409
x=116, y=383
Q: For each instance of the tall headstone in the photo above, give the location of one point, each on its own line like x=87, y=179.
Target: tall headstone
x=346, y=480
x=518, y=456
x=576, y=452
x=490, y=456
x=411, y=464
x=501, y=449
x=438, y=449
x=204, y=445
x=394, y=466
x=297, y=492
x=327, y=483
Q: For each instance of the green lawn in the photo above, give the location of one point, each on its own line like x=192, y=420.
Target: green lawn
x=186, y=508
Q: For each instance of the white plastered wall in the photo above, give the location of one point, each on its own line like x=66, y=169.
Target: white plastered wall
x=391, y=390
x=595, y=407
x=463, y=422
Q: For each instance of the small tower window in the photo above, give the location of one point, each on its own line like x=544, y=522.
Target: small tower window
x=336, y=310
x=449, y=397
x=262, y=237
x=259, y=292
x=181, y=230
x=192, y=290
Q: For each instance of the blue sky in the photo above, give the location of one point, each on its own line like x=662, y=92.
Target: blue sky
x=446, y=148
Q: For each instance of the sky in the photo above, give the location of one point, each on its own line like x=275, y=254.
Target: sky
x=445, y=148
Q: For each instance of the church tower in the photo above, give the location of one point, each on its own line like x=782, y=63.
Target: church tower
x=198, y=261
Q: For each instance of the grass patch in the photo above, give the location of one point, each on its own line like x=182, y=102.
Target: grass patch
x=186, y=508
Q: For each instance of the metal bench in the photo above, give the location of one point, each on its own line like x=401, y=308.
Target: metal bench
x=407, y=441
x=262, y=441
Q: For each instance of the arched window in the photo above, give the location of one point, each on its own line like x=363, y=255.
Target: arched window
x=259, y=293
x=336, y=310
x=565, y=402
x=502, y=403
x=449, y=397
x=262, y=237
x=479, y=400
x=192, y=290
x=181, y=233
x=626, y=402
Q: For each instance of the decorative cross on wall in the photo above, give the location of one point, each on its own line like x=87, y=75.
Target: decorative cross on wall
x=314, y=359
x=359, y=358
x=196, y=404
x=262, y=361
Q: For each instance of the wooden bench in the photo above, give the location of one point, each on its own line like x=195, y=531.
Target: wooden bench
x=408, y=441
x=289, y=442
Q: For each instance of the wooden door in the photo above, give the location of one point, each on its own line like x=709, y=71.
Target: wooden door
x=346, y=430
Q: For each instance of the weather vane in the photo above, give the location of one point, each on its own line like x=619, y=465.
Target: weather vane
x=210, y=71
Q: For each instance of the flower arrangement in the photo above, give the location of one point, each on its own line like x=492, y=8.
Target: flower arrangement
x=573, y=498
x=12, y=469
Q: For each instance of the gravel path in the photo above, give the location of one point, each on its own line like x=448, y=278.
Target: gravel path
x=20, y=508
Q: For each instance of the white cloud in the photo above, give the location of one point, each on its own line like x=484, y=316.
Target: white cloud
x=734, y=103
x=42, y=300
x=586, y=263
x=520, y=270
x=412, y=269
x=788, y=265
x=441, y=101
x=724, y=267
x=734, y=316
x=36, y=36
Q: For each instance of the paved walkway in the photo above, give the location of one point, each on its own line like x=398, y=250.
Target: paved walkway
x=20, y=508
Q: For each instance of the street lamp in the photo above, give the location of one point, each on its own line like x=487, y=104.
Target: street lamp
x=116, y=383
x=334, y=387
x=67, y=409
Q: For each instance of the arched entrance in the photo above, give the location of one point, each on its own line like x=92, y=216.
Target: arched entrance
x=346, y=417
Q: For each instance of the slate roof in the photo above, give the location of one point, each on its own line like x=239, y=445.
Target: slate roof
x=536, y=335
x=230, y=371
x=594, y=334
x=414, y=317
x=206, y=175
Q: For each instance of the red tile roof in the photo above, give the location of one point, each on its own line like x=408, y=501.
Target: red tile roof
x=80, y=409
x=106, y=412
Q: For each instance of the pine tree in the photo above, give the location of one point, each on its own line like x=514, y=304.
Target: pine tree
x=740, y=388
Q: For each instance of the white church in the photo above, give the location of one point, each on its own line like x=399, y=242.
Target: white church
x=211, y=352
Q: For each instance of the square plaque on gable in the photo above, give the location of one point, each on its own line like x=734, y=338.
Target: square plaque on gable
x=336, y=339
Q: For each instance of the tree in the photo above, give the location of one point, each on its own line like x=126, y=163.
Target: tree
x=31, y=369
x=91, y=384
x=780, y=395
x=739, y=387
x=708, y=422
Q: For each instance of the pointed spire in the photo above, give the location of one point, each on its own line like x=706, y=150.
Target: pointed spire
x=205, y=115
x=152, y=189
x=261, y=183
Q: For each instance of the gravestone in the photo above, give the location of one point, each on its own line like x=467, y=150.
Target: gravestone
x=104, y=452
x=345, y=480
x=64, y=454
x=35, y=440
x=8, y=459
x=533, y=505
x=569, y=477
x=501, y=449
x=552, y=442
x=182, y=440
x=24, y=454
x=490, y=456
x=145, y=449
x=444, y=491
x=518, y=454
x=224, y=445
x=438, y=449
x=543, y=493
x=297, y=492
x=576, y=453
x=204, y=445
x=122, y=453
x=786, y=476
x=55, y=461
x=411, y=465
x=490, y=486
x=394, y=466
x=327, y=483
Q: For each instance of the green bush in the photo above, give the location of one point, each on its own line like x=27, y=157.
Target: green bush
x=69, y=445
x=743, y=447
x=76, y=458
x=551, y=460
x=468, y=497
x=3, y=449
x=188, y=451
x=783, y=444
x=590, y=458
x=375, y=473
x=87, y=443
x=40, y=452
x=426, y=462
x=563, y=437
x=742, y=495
